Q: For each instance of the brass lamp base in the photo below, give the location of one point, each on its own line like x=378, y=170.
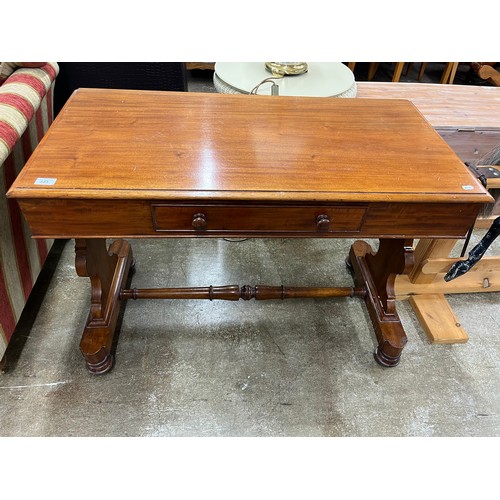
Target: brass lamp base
x=286, y=68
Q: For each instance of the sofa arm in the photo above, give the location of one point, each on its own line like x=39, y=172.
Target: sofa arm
x=20, y=97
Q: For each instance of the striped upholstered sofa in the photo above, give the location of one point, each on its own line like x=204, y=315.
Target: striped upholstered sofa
x=26, y=111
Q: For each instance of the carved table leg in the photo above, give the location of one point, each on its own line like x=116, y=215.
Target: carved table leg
x=108, y=271
x=377, y=272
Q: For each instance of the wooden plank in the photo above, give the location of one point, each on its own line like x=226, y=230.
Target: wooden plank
x=438, y=319
x=424, y=250
x=485, y=222
x=487, y=265
x=494, y=182
x=471, y=282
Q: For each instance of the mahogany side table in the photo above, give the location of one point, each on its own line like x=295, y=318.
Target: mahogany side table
x=124, y=164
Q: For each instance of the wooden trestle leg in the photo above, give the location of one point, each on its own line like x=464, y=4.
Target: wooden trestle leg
x=377, y=272
x=108, y=271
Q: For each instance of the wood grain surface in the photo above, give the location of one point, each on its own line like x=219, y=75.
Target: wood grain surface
x=119, y=144
x=444, y=106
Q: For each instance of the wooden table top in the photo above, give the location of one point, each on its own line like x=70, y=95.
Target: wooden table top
x=120, y=144
x=444, y=106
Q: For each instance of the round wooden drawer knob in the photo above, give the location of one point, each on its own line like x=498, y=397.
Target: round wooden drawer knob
x=199, y=222
x=323, y=222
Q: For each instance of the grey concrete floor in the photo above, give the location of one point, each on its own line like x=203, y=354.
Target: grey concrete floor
x=273, y=368
x=199, y=368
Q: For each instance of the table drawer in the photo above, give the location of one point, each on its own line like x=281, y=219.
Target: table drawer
x=256, y=219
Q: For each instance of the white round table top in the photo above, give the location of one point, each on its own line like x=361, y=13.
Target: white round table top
x=323, y=79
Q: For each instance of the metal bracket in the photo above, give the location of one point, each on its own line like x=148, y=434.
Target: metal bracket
x=484, y=172
x=489, y=171
x=479, y=175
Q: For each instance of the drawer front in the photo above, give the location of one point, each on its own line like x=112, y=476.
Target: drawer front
x=256, y=219
x=146, y=218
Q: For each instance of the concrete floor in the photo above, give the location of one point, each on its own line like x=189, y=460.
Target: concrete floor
x=291, y=368
x=200, y=368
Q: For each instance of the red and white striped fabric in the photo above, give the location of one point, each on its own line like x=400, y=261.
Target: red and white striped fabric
x=26, y=112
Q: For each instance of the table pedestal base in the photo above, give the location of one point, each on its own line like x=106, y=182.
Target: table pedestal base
x=377, y=273
x=108, y=271
x=374, y=276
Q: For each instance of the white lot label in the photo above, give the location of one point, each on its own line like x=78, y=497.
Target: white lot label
x=45, y=181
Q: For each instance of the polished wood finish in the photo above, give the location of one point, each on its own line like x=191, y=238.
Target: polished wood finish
x=120, y=164
x=257, y=218
x=108, y=271
x=377, y=273
x=70, y=218
x=246, y=292
x=139, y=145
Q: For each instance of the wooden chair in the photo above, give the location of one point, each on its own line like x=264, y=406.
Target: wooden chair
x=448, y=76
x=486, y=71
x=450, y=70
x=372, y=69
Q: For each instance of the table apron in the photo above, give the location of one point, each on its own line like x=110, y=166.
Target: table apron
x=81, y=218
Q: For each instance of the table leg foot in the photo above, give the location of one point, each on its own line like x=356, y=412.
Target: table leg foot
x=383, y=359
x=376, y=272
x=101, y=367
x=108, y=271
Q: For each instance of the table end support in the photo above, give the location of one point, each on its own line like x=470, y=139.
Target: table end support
x=108, y=271
x=376, y=272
